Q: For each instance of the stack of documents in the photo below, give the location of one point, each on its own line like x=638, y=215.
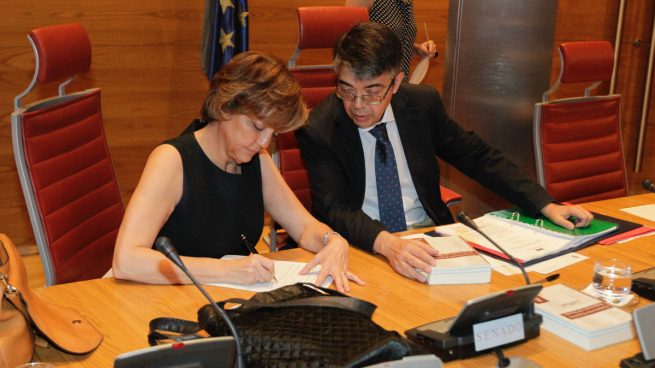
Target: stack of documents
x=582, y=319
x=528, y=239
x=457, y=262
x=575, y=237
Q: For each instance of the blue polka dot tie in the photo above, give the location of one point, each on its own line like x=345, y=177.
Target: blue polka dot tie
x=390, y=200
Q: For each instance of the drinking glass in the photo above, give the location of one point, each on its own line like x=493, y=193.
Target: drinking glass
x=36, y=365
x=612, y=280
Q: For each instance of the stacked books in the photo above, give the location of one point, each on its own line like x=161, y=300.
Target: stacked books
x=457, y=262
x=529, y=240
x=581, y=318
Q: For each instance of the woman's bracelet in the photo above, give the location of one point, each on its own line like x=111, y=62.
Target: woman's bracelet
x=324, y=239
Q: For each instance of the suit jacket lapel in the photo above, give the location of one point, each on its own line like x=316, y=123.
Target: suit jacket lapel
x=407, y=125
x=350, y=148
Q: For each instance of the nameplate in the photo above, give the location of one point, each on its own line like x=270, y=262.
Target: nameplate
x=498, y=332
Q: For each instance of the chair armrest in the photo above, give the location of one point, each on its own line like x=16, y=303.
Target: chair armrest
x=449, y=197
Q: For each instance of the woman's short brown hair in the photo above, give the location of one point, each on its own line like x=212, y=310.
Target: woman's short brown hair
x=259, y=86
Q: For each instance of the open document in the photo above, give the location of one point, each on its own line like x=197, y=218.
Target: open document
x=286, y=273
x=528, y=244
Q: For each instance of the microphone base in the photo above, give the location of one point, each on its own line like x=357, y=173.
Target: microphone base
x=214, y=352
x=637, y=361
x=448, y=347
x=518, y=362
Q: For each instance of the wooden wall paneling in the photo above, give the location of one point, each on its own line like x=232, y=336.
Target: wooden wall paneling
x=147, y=62
x=634, y=63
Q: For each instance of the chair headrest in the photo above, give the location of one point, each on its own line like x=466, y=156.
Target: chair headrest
x=588, y=61
x=321, y=27
x=63, y=51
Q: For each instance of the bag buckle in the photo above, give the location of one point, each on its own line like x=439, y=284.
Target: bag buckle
x=9, y=288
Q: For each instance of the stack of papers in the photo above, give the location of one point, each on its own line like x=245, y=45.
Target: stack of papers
x=457, y=262
x=575, y=237
x=528, y=240
x=582, y=319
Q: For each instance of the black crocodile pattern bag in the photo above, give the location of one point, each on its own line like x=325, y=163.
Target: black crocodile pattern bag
x=303, y=325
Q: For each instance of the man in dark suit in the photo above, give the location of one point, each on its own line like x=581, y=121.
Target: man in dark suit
x=371, y=149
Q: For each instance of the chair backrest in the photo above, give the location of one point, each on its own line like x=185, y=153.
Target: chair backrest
x=578, y=147
x=290, y=163
x=63, y=162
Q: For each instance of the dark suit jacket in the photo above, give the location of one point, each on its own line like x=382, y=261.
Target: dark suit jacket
x=332, y=150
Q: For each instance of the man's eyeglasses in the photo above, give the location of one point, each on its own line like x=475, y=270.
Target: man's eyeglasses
x=368, y=99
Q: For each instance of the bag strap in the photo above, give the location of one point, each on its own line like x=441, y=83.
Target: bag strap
x=339, y=302
x=172, y=329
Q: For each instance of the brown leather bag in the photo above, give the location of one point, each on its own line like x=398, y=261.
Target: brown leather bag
x=22, y=314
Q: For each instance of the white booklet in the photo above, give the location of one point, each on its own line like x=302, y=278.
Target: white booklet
x=457, y=262
x=581, y=318
x=286, y=273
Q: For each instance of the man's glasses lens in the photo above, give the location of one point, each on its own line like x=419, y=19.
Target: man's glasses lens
x=369, y=99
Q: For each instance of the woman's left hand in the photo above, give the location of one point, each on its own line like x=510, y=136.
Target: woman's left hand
x=333, y=259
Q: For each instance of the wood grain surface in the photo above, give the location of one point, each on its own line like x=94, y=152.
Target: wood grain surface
x=122, y=310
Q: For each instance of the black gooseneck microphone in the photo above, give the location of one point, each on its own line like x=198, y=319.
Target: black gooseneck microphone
x=464, y=219
x=648, y=185
x=165, y=246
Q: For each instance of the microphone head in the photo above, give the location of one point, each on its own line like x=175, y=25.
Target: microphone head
x=464, y=219
x=165, y=246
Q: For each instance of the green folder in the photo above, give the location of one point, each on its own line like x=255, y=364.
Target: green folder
x=595, y=227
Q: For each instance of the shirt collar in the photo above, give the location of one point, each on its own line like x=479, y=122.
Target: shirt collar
x=387, y=117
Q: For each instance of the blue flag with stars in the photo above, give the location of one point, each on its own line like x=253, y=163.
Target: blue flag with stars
x=225, y=33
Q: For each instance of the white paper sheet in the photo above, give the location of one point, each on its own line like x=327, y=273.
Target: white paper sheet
x=286, y=273
x=646, y=211
x=420, y=71
x=544, y=268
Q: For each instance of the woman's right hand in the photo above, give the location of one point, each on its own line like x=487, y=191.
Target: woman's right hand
x=249, y=270
x=427, y=48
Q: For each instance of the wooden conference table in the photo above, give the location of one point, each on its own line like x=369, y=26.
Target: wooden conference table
x=121, y=310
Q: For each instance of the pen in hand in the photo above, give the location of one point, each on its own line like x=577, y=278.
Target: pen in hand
x=252, y=250
x=248, y=246
x=427, y=38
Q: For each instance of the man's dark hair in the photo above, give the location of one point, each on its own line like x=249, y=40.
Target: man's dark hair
x=369, y=49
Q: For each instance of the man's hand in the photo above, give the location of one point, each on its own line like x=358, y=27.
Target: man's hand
x=406, y=255
x=569, y=217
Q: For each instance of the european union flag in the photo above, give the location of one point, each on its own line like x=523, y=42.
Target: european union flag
x=225, y=33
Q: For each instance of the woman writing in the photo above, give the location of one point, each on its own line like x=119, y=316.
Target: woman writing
x=204, y=189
